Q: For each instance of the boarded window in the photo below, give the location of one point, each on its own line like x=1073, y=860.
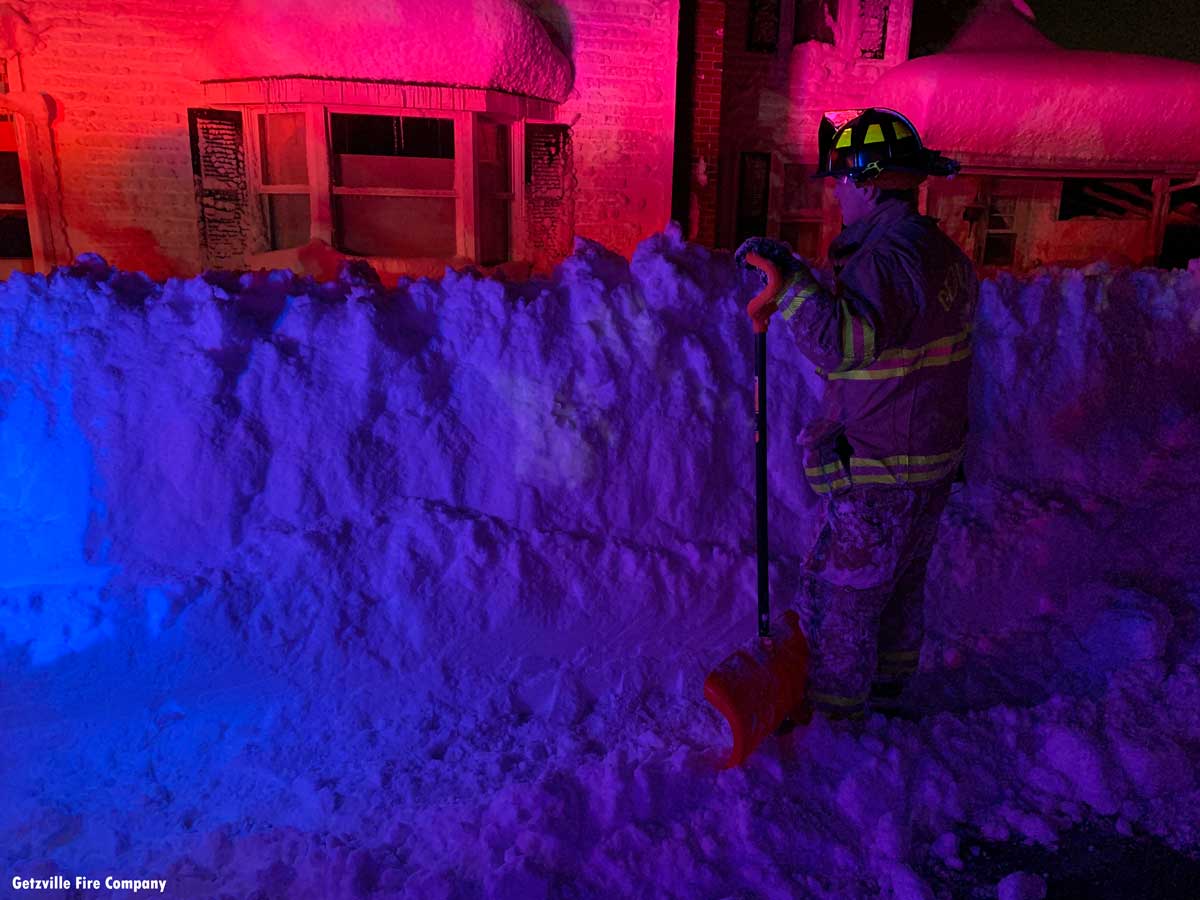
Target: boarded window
x=813, y=18
x=406, y=227
x=762, y=26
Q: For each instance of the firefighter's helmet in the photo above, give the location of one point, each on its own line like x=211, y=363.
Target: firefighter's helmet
x=877, y=145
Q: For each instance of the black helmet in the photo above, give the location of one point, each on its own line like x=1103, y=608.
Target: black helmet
x=869, y=144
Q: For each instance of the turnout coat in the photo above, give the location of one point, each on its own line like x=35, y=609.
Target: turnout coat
x=893, y=341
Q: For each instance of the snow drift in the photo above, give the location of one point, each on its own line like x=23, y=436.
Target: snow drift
x=412, y=590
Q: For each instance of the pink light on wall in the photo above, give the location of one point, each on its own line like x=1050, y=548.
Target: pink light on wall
x=479, y=43
x=1055, y=106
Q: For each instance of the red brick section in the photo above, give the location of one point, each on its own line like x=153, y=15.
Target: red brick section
x=622, y=116
x=116, y=74
x=706, y=119
x=772, y=102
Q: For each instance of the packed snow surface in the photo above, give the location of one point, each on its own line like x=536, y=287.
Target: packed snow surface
x=496, y=44
x=1003, y=91
x=325, y=590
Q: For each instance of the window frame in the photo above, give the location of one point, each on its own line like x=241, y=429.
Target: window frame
x=1013, y=231
x=35, y=156
x=322, y=191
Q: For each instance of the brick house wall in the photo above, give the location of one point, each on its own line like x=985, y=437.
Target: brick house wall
x=772, y=102
x=121, y=129
x=622, y=113
x=705, y=168
x=117, y=77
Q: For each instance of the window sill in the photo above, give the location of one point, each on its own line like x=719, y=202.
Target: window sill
x=322, y=262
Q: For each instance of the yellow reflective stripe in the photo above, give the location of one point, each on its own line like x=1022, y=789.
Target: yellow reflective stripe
x=844, y=140
x=874, y=135
x=907, y=352
x=847, y=338
x=901, y=130
x=882, y=374
x=828, y=486
x=797, y=301
x=837, y=699
x=899, y=474
x=868, y=342
x=823, y=470
x=904, y=460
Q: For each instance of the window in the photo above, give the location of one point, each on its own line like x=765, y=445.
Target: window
x=1132, y=199
x=1000, y=241
x=812, y=22
x=284, y=189
x=494, y=162
x=393, y=185
x=393, y=182
x=16, y=248
x=762, y=26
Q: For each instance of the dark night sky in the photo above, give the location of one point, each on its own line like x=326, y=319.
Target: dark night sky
x=1155, y=27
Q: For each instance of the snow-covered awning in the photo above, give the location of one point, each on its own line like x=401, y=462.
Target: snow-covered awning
x=1052, y=109
x=493, y=44
x=1004, y=95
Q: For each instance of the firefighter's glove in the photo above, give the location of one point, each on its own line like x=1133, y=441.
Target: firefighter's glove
x=775, y=252
x=779, y=269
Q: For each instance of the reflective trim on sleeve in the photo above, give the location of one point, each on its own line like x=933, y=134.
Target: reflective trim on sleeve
x=898, y=363
x=848, y=322
x=791, y=306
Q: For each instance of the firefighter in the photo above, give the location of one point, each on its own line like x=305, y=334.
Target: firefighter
x=892, y=340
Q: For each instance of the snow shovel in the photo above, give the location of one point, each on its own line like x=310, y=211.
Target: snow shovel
x=760, y=684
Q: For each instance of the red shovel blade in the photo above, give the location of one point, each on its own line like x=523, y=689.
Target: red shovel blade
x=756, y=687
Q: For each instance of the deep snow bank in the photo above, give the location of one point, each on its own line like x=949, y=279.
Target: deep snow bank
x=289, y=432
x=331, y=590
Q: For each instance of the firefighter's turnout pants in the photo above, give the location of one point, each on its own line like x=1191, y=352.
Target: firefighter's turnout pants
x=862, y=609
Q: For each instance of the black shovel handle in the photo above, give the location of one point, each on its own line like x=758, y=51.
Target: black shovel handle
x=760, y=479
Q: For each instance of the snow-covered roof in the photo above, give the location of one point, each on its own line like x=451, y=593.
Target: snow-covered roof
x=1019, y=100
x=496, y=44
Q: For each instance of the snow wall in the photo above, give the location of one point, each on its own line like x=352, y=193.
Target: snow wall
x=334, y=591
x=301, y=447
